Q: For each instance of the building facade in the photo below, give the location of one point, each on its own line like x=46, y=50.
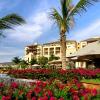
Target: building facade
x=54, y=48
x=48, y=49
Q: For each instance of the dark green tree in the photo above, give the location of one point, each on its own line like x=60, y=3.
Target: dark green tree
x=16, y=60
x=33, y=61
x=23, y=64
x=53, y=57
x=43, y=61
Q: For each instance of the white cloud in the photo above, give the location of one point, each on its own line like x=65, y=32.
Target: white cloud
x=91, y=31
x=36, y=25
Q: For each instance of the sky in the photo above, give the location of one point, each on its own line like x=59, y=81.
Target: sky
x=39, y=28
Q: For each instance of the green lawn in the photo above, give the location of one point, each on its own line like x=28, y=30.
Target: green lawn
x=95, y=81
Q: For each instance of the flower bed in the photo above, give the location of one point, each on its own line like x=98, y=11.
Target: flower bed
x=50, y=90
x=63, y=75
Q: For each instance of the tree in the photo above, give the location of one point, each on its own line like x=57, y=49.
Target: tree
x=23, y=64
x=9, y=21
x=43, y=61
x=16, y=60
x=33, y=61
x=53, y=57
x=65, y=20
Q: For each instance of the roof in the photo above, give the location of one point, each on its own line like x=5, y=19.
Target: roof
x=90, y=49
x=92, y=39
x=57, y=42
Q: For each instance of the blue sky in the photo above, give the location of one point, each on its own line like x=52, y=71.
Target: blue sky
x=39, y=28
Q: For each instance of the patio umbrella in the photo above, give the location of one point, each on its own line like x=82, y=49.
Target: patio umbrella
x=35, y=65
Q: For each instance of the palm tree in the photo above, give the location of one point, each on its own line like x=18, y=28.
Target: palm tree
x=65, y=20
x=8, y=22
x=16, y=60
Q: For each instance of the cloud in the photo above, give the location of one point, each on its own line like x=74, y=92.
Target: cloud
x=36, y=25
x=91, y=30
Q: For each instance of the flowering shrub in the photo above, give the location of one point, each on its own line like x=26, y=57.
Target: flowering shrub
x=63, y=75
x=49, y=90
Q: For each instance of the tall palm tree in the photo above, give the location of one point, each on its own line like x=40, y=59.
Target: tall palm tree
x=8, y=22
x=65, y=20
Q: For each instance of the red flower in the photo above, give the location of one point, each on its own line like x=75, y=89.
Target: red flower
x=39, y=83
x=75, y=97
x=61, y=98
x=29, y=94
x=73, y=91
x=94, y=92
x=1, y=85
x=37, y=89
x=53, y=98
x=49, y=93
x=78, y=85
x=61, y=86
x=75, y=80
x=6, y=98
x=14, y=85
x=43, y=98
x=33, y=98
x=44, y=84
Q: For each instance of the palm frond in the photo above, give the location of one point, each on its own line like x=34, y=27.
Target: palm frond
x=68, y=2
x=4, y=25
x=56, y=17
x=9, y=21
x=13, y=19
x=81, y=6
x=64, y=8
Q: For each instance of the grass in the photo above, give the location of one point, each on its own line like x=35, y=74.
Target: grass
x=95, y=81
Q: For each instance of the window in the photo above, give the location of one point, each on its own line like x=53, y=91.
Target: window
x=45, y=51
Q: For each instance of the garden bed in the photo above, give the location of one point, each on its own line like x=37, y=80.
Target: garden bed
x=63, y=75
x=49, y=90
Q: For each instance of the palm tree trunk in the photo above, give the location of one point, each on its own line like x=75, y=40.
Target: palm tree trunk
x=63, y=49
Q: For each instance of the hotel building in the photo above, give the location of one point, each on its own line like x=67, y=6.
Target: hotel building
x=48, y=49
x=54, y=48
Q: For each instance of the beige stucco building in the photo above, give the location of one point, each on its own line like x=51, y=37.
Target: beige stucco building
x=49, y=49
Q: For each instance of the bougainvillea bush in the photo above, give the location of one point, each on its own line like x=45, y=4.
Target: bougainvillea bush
x=63, y=75
x=49, y=90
